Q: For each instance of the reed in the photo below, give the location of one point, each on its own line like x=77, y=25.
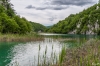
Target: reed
x=19, y=37
x=44, y=60
x=39, y=54
x=62, y=54
x=86, y=55
x=53, y=59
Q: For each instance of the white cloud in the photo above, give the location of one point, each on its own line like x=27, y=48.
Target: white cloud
x=47, y=16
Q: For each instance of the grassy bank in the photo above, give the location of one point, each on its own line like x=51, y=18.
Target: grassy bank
x=19, y=38
x=86, y=55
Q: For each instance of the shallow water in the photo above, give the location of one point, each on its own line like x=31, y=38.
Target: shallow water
x=26, y=53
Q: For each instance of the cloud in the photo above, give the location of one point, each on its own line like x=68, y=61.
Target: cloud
x=59, y=4
x=72, y=2
x=29, y=7
x=49, y=12
x=52, y=18
x=50, y=7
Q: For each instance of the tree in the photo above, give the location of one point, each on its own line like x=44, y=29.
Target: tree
x=37, y=27
x=86, y=19
x=1, y=9
x=9, y=25
x=10, y=22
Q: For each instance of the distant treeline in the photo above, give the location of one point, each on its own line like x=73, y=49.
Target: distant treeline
x=36, y=27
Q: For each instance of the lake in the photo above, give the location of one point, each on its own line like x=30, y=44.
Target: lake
x=34, y=52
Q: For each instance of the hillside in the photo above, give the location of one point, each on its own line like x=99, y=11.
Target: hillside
x=12, y=23
x=36, y=27
x=85, y=22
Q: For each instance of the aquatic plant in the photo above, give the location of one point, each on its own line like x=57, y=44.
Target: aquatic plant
x=20, y=37
x=44, y=60
x=62, y=54
x=86, y=55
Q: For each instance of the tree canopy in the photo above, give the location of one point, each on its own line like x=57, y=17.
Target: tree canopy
x=85, y=22
x=36, y=27
x=12, y=23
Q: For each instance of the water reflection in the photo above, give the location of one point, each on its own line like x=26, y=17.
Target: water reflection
x=27, y=54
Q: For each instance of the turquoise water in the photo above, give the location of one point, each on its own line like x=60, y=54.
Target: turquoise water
x=26, y=53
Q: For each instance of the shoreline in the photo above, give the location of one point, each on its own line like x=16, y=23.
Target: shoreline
x=19, y=38
x=86, y=55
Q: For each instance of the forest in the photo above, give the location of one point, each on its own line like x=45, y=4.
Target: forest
x=14, y=24
x=36, y=27
x=85, y=22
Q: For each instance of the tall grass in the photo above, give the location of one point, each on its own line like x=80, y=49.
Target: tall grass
x=86, y=55
x=19, y=37
x=62, y=54
x=52, y=60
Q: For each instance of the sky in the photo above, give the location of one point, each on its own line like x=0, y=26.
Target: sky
x=49, y=12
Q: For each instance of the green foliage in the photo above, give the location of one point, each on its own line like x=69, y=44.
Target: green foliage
x=1, y=9
x=80, y=23
x=37, y=27
x=9, y=25
x=23, y=24
x=62, y=55
x=10, y=22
